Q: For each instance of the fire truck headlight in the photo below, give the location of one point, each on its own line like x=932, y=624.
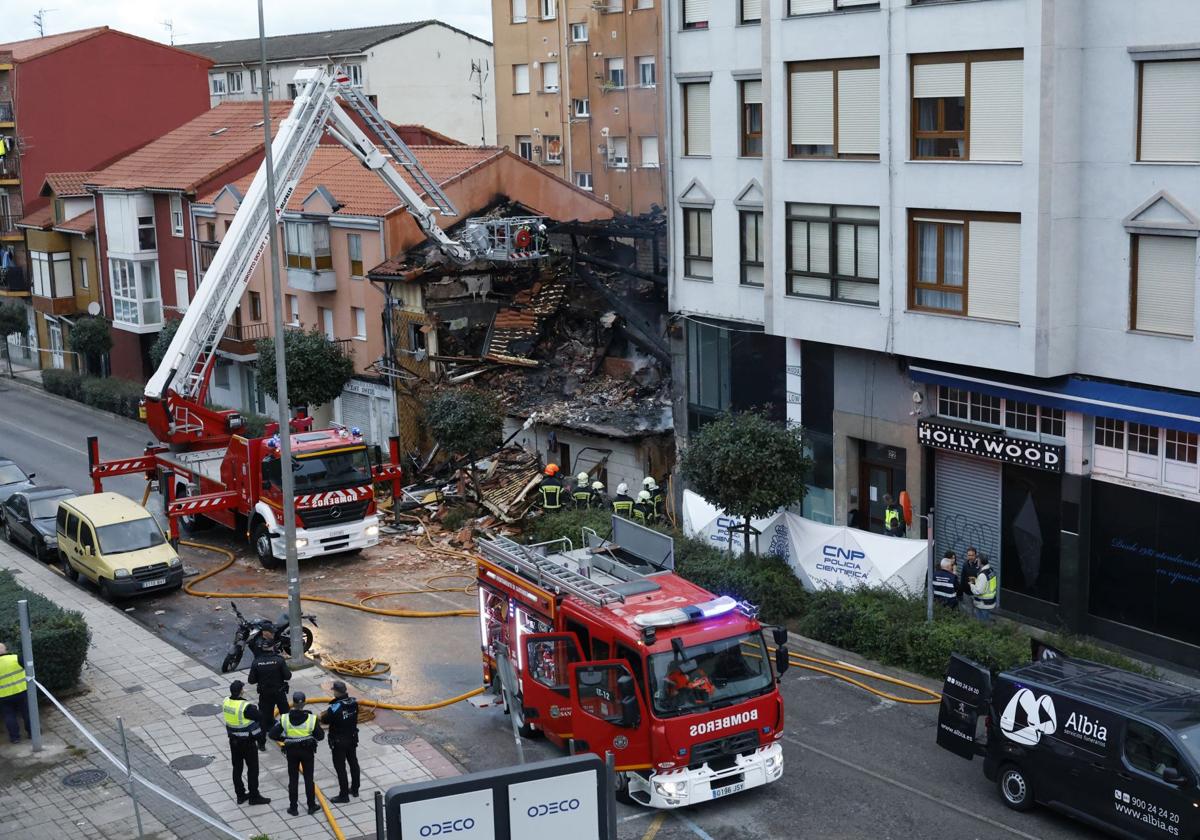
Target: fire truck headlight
x=669, y=789
x=372, y=530
x=301, y=542
x=774, y=761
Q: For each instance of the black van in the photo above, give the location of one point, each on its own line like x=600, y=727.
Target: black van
x=1111, y=748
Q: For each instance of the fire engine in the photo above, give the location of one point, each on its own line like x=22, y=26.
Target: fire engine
x=206, y=470
x=605, y=649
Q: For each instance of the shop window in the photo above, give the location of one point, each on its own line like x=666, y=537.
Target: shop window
x=1143, y=439
x=953, y=402
x=1030, y=531
x=709, y=372
x=1110, y=433
x=1181, y=446
x=985, y=409
x=1054, y=422
x=1021, y=416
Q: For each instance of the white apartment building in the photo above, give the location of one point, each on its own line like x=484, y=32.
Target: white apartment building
x=956, y=240
x=421, y=73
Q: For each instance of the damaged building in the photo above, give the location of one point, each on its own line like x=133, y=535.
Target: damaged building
x=575, y=341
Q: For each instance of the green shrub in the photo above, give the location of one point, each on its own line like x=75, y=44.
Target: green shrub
x=65, y=383
x=255, y=424
x=567, y=523
x=120, y=396
x=60, y=637
x=768, y=582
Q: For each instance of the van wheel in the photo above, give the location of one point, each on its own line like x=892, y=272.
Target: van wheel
x=1015, y=788
x=260, y=539
x=106, y=591
x=67, y=568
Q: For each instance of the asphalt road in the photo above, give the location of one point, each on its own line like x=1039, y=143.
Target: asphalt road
x=856, y=766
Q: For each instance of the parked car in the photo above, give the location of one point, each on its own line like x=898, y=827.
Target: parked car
x=13, y=478
x=116, y=544
x=27, y=518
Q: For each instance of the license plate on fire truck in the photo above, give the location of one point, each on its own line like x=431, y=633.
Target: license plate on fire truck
x=717, y=793
x=146, y=584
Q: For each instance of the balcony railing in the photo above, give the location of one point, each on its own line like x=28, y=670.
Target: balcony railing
x=14, y=280
x=345, y=345
x=8, y=224
x=241, y=339
x=205, y=252
x=6, y=112
x=10, y=167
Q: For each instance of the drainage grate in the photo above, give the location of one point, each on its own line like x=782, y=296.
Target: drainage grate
x=393, y=737
x=133, y=689
x=84, y=778
x=191, y=762
x=202, y=710
x=197, y=685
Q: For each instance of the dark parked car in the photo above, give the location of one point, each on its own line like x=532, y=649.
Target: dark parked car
x=27, y=518
x=12, y=479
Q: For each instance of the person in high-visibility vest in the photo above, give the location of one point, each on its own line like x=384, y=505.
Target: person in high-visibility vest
x=893, y=517
x=583, y=493
x=643, y=509
x=984, y=587
x=622, y=503
x=299, y=732
x=243, y=723
x=657, y=497
x=13, y=697
x=551, y=489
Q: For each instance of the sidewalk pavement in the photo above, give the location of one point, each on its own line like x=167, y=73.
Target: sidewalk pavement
x=170, y=704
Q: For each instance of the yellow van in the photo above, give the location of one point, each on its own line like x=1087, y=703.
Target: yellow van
x=116, y=544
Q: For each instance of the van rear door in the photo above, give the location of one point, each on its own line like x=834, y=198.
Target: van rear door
x=965, y=694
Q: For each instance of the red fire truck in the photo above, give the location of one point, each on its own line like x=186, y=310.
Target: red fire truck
x=605, y=649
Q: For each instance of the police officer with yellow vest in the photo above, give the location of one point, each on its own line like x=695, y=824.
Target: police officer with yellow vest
x=551, y=489
x=243, y=722
x=622, y=503
x=983, y=588
x=583, y=493
x=893, y=517
x=13, y=696
x=299, y=731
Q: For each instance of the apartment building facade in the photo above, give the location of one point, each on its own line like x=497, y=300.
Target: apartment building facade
x=577, y=92
x=424, y=72
x=966, y=233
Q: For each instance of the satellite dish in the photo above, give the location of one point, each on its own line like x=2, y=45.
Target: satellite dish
x=93, y=308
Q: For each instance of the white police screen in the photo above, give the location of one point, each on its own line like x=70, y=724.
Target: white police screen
x=559, y=806
x=463, y=816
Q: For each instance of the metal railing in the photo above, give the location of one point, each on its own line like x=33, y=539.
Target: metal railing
x=6, y=111
x=247, y=332
x=14, y=279
x=8, y=223
x=205, y=251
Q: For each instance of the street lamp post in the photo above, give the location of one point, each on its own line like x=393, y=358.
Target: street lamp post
x=928, y=517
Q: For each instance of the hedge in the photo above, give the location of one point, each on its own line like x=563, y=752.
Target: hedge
x=60, y=637
x=120, y=396
x=65, y=383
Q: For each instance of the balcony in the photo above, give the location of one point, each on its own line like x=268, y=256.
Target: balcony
x=8, y=226
x=7, y=119
x=55, y=305
x=240, y=339
x=10, y=171
x=14, y=282
x=205, y=251
x=312, y=280
x=344, y=345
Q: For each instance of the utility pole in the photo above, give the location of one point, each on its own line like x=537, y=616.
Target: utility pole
x=281, y=396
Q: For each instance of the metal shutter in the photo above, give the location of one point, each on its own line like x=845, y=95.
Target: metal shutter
x=812, y=108
x=933, y=81
x=967, y=507
x=697, y=128
x=858, y=111
x=994, y=268
x=1166, y=284
x=751, y=10
x=356, y=412
x=695, y=11
x=1171, y=110
x=996, y=105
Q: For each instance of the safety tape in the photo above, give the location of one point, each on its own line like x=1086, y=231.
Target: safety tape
x=138, y=777
x=16, y=681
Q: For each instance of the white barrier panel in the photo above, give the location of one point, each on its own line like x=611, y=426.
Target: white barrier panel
x=704, y=520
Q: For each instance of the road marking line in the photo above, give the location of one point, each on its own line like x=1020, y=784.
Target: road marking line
x=697, y=830
x=43, y=437
x=640, y=815
x=654, y=826
x=909, y=788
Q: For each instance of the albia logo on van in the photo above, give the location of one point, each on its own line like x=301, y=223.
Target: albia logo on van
x=1028, y=717
x=723, y=723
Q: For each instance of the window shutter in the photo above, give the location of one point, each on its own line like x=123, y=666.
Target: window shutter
x=697, y=136
x=550, y=75
x=858, y=111
x=812, y=108
x=996, y=105
x=751, y=10
x=1166, y=284
x=649, y=151
x=752, y=92
x=695, y=11
x=845, y=4
x=809, y=7
x=1171, y=111
x=933, y=81
x=521, y=78
x=994, y=269
x=868, y=252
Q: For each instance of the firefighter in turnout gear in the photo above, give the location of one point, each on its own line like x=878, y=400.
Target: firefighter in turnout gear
x=657, y=498
x=243, y=723
x=299, y=732
x=599, y=500
x=622, y=503
x=551, y=489
x=643, y=510
x=342, y=720
x=583, y=494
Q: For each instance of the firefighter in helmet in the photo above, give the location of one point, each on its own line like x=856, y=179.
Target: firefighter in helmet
x=551, y=489
x=622, y=503
x=583, y=492
x=643, y=509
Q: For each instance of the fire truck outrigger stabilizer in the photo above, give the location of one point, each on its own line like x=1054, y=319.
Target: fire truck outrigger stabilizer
x=205, y=468
x=606, y=650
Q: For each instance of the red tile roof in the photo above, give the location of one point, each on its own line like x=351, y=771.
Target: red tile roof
x=65, y=184
x=38, y=219
x=33, y=47
x=83, y=223
x=361, y=191
x=195, y=153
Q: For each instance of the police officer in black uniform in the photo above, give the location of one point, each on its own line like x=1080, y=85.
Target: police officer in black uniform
x=342, y=720
x=243, y=723
x=299, y=732
x=271, y=674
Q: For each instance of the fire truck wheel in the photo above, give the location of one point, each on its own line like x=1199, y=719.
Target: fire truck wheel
x=622, y=791
x=260, y=538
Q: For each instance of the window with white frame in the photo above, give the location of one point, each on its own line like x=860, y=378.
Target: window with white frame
x=84, y=282
x=549, y=9
x=176, y=214
x=254, y=81
x=647, y=76
x=614, y=72
x=51, y=274
x=697, y=243
x=751, y=11
x=697, y=125
x=520, y=78
x=525, y=146
x=581, y=108
x=306, y=246
x=519, y=11
x=1169, y=111
x=644, y=4
x=583, y=180
x=145, y=232
x=618, y=152
x=137, y=299
x=216, y=84
x=816, y=7
x=553, y=147
x=833, y=252
x=649, y=150
x=579, y=32
x=695, y=14
x=182, y=292
x=360, y=323
x=550, y=76
x=327, y=322
x=1147, y=453
x=355, y=72
x=293, y=303
x=1017, y=418
x=1163, y=284
x=834, y=108
x=235, y=81
x=354, y=252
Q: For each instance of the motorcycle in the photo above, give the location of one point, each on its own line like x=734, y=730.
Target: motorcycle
x=262, y=635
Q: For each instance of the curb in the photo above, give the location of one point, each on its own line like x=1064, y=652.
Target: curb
x=803, y=644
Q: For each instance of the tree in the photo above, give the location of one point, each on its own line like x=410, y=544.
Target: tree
x=91, y=339
x=317, y=369
x=465, y=421
x=163, y=341
x=747, y=465
x=12, y=320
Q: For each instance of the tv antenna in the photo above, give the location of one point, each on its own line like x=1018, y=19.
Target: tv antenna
x=39, y=20
x=170, y=27
x=479, y=72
